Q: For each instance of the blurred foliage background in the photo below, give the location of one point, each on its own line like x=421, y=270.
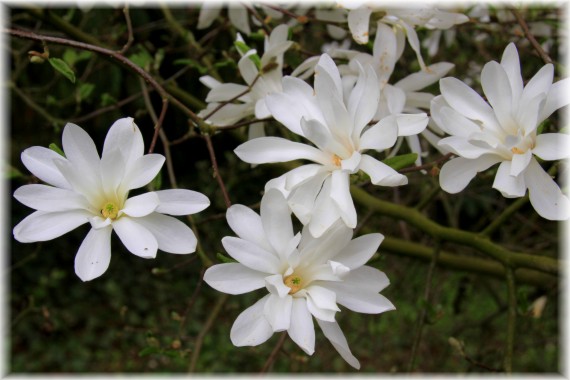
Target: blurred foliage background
x=153, y=316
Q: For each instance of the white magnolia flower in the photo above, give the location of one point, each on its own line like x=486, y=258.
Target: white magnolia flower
x=319, y=194
x=505, y=130
x=405, y=20
x=306, y=277
x=252, y=102
x=85, y=188
x=237, y=13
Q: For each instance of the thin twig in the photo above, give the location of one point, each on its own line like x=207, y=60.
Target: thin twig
x=255, y=14
x=221, y=105
x=241, y=124
x=273, y=355
x=423, y=313
x=216, y=171
x=130, y=37
x=511, y=320
x=429, y=165
x=158, y=124
x=192, y=300
x=205, y=329
x=545, y=57
x=506, y=214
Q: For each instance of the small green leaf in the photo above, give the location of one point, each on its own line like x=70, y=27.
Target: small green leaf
x=256, y=60
x=84, y=90
x=149, y=350
x=107, y=99
x=57, y=149
x=402, y=161
x=63, y=68
x=11, y=172
x=142, y=59
x=225, y=259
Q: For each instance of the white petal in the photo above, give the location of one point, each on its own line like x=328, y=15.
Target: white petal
x=320, y=314
x=136, y=238
x=318, y=251
x=512, y=66
x=275, y=149
x=143, y=171
x=40, y=161
x=422, y=79
x=497, y=88
x=367, y=278
x=124, y=136
x=48, y=198
x=276, y=220
x=225, y=92
x=277, y=311
x=552, y=146
x=247, y=68
x=140, y=205
x=229, y=114
x=358, y=20
x=301, y=174
x=540, y=83
x=456, y=174
x=380, y=173
x=98, y=222
x=463, y=147
x=247, y=225
x=113, y=168
x=411, y=124
x=359, y=250
x=327, y=66
x=251, y=328
x=520, y=162
x=467, y=102
x=303, y=197
x=276, y=286
x=94, y=255
x=557, y=98
x=239, y=18
x=509, y=185
x=363, y=100
x=208, y=13
x=334, y=334
x=527, y=117
x=322, y=297
x=385, y=50
x=340, y=194
x=325, y=211
x=251, y=255
x=301, y=329
x=81, y=182
x=233, y=278
x=80, y=150
x=171, y=234
x=394, y=99
x=359, y=300
x=43, y=226
x=181, y=202
x=545, y=195
x=322, y=137
x=381, y=135
x=352, y=163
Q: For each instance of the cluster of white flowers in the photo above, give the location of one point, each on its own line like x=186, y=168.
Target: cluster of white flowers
x=347, y=119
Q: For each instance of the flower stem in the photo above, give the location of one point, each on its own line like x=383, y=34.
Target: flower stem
x=273, y=355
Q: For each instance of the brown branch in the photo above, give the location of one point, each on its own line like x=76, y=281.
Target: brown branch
x=130, y=38
x=216, y=171
x=273, y=355
x=158, y=125
x=255, y=14
x=429, y=165
x=530, y=37
x=224, y=103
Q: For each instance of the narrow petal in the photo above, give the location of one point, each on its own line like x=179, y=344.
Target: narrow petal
x=467, y=102
x=317, y=312
x=208, y=13
x=358, y=20
x=251, y=328
x=552, y=146
x=277, y=311
x=380, y=173
x=497, y=88
x=251, y=255
x=276, y=220
x=322, y=297
x=276, y=286
x=330, y=100
x=247, y=225
x=94, y=255
x=80, y=149
x=140, y=205
x=113, y=167
x=275, y=149
x=322, y=137
x=557, y=98
x=359, y=250
x=181, y=202
x=340, y=194
x=43, y=226
x=456, y=174
x=540, y=83
x=136, y=238
x=124, y=136
x=545, y=195
x=325, y=211
x=509, y=185
x=238, y=16
x=520, y=162
x=302, y=330
x=40, y=162
x=315, y=251
x=422, y=79
x=171, y=234
x=411, y=124
x=247, y=68
x=51, y=199
x=385, y=50
x=512, y=66
x=225, y=92
x=360, y=301
x=463, y=147
x=363, y=100
x=303, y=197
x=334, y=334
x=233, y=278
x=368, y=279
x=381, y=135
x=143, y=171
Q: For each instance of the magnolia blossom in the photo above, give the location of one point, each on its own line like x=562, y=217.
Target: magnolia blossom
x=237, y=13
x=319, y=194
x=306, y=277
x=405, y=20
x=263, y=80
x=505, y=131
x=85, y=188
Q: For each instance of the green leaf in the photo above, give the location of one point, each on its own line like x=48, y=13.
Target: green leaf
x=142, y=59
x=84, y=90
x=107, y=99
x=192, y=63
x=11, y=172
x=402, y=161
x=57, y=149
x=149, y=350
x=63, y=68
x=225, y=259
x=241, y=47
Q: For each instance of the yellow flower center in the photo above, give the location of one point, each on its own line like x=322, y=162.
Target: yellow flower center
x=110, y=210
x=336, y=160
x=294, y=282
x=516, y=150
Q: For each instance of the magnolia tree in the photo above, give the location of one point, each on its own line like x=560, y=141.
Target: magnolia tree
x=338, y=159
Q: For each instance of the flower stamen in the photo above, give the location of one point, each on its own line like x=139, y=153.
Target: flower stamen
x=294, y=282
x=336, y=160
x=516, y=150
x=110, y=210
